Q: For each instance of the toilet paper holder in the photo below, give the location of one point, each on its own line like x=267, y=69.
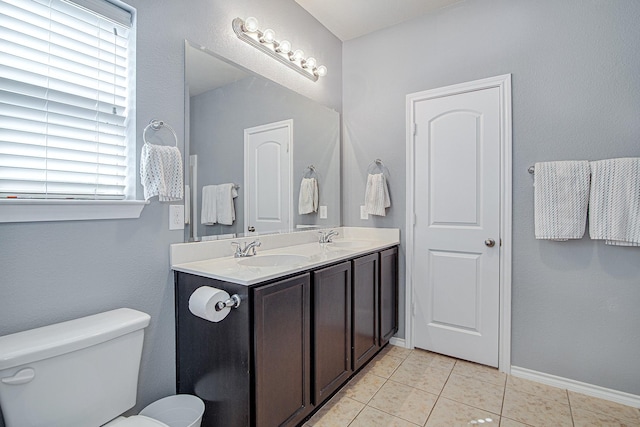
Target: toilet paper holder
x=233, y=302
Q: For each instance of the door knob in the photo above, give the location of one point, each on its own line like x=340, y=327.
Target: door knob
x=490, y=243
x=251, y=228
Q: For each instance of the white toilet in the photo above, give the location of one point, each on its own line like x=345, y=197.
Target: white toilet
x=83, y=373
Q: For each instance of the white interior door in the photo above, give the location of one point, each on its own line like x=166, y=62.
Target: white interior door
x=456, y=244
x=268, y=155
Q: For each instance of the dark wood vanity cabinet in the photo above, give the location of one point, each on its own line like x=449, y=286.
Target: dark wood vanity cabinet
x=290, y=345
x=253, y=368
x=331, y=329
x=282, y=330
x=365, y=309
x=213, y=360
x=375, y=304
x=388, y=295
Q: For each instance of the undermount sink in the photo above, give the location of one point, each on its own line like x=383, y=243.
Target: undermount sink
x=283, y=260
x=349, y=244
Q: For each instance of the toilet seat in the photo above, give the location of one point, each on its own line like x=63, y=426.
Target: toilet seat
x=137, y=421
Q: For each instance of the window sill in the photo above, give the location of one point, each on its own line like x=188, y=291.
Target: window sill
x=31, y=210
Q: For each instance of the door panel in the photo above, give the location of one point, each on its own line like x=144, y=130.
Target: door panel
x=452, y=173
x=269, y=193
x=457, y=205
x=454, y=297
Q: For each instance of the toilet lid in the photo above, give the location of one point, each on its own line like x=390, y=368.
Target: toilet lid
x=138, y=421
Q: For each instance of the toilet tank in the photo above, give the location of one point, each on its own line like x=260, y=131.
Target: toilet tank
x=80, y=373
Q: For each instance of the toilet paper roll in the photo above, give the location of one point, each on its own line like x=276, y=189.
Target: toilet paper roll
x=202, y=303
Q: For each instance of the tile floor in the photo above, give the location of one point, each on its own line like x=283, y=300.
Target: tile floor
x=408, y=388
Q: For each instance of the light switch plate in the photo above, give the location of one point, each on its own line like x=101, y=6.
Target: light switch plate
x=363, y=213
x=323, y=212
x=176, y=217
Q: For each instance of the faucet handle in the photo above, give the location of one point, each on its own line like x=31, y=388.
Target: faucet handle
x=256, y=244
x=238, y=249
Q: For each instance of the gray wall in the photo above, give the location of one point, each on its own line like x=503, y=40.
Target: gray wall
x=56, y=271
x=218, y=120
x=576, y=95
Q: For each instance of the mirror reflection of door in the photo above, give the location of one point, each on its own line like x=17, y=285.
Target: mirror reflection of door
x=268, y=157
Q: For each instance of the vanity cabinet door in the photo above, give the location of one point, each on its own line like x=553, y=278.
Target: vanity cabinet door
x=282, y=352
x=332, y=329
x=388, y=294
x=365, y=309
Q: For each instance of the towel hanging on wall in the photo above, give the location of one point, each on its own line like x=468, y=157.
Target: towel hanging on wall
x=308, y=198
x=376, y=196
x=161, y=172
x=209, y=212
x=226, y=212
x=614, y=206
x=217, y=204
x=161, y=167
x=561, y=197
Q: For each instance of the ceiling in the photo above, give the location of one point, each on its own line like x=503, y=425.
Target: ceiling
x=348, y=19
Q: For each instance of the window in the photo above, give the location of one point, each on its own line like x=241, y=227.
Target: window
x=66, y=131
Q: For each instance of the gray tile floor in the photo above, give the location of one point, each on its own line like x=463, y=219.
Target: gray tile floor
x=408, y=388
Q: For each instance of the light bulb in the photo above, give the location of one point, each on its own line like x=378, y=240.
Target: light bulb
x=321, y=71
x=268, y=36
x=310, y=63
x=297, y=55
x=284, y=47
x=250, y=25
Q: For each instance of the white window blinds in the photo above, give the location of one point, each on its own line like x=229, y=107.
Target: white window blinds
x=64, y=99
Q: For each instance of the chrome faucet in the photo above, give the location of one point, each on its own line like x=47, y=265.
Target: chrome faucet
x=248, y=250
x=327, y=236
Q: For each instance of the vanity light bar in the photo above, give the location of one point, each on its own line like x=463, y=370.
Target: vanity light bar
x=265, y=41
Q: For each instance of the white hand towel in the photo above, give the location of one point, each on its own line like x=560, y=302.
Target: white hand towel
x=209, y=213
x=376, y=196
x=224, y=203
x=161, y=172
x=614, y=211
x=308, y=199
x=561, y=197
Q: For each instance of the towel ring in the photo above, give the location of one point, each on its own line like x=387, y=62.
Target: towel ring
x=377, y=163
x=310, y=172
x=157, y=125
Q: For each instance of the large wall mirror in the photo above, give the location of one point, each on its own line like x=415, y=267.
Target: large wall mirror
x=255, y=145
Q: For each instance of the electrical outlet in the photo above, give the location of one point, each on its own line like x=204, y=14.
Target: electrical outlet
x=363, y=213
x=323, y=212
x=176, y=217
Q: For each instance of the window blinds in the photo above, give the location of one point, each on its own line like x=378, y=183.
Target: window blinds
x=63, y=99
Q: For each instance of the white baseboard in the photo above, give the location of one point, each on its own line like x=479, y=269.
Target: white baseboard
x=577, y=386
x=398, y=341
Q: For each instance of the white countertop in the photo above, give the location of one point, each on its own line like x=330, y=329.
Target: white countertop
x=352, y=243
